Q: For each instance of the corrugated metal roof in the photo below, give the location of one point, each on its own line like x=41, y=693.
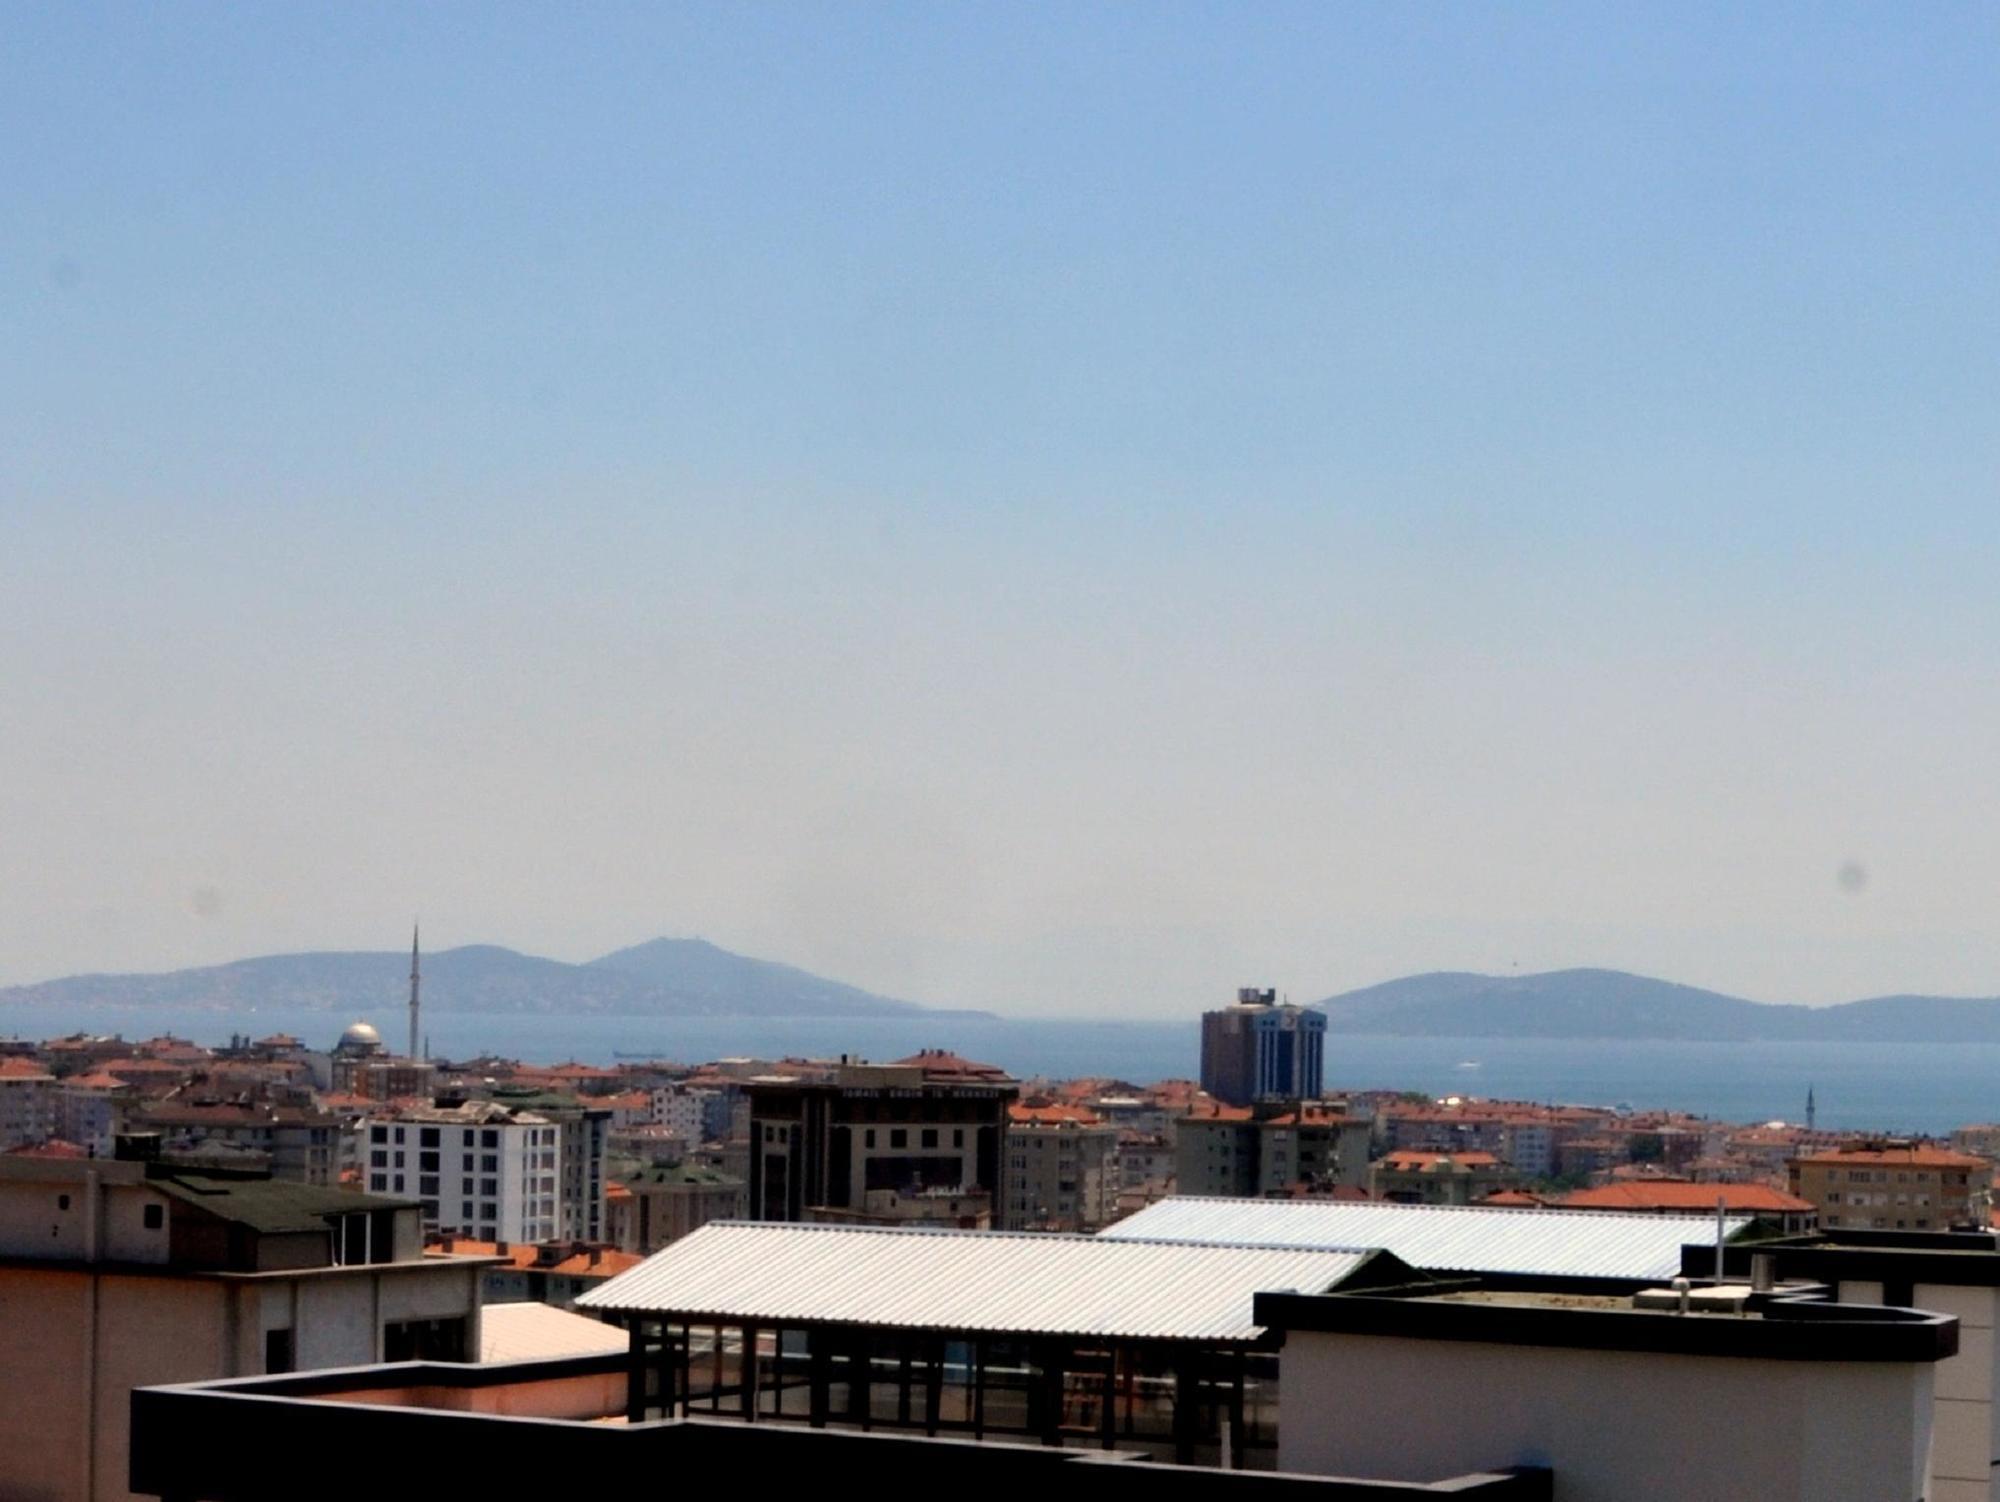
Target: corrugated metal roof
x=1442, y=1238
x=541, y=1332
x=997, y=1281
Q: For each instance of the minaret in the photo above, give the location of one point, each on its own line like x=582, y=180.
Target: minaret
x=413, y=990
x=1811, y=1112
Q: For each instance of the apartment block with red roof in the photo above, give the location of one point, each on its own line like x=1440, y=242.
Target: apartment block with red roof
x=1784, y=1212
x=1431, y=1178
x=1895, y=1186
x=1062, y=1170
x=1242, y=1151
x=27, y=1103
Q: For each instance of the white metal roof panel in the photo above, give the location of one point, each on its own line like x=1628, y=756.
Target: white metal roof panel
x=998, y=1281
x=1442, y=1238
x=528, y=1332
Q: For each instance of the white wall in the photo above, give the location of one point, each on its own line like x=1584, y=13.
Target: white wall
x=1968, y=1426
x=33, y=1222
x=1613, y=1425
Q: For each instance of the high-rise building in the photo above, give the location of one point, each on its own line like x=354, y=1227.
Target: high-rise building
x=1262, y=1049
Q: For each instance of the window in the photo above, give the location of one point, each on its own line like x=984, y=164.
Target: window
x=153, y=1217
x=428, y=1185
x=489, y=1138
x=427, y=1162
x=378, y=1134
x=424, y=1340
x=399, y=1183
x=465, y=1212
x=486, y=1212
x=379, y=1182
x=427, y=1137
x=465, y=1137
x=62, y=1202
x=898, y=1137
x=399, y=1134
x=930, y=1137
x=378, y=1159
x=489, y=1187
x=868, y=1138
x=958, y=1137
x=465, y=1186
x=277, y=1352
x=399, y=1160
x=489, y=1163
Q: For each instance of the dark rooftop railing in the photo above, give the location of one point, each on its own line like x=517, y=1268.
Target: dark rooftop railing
x=323, y=1436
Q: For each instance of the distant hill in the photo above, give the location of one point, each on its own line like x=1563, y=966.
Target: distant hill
x=665, y=978
x=1613, y=1004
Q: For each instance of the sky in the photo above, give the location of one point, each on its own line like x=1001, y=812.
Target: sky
x=1058, y=508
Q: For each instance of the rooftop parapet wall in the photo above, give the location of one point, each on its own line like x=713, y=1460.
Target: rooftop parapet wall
x=243, y=1441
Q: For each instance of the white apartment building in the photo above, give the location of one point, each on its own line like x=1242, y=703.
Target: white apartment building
x=480, y=1169
x=686, y=1113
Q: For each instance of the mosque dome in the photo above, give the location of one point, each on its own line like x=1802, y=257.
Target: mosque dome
x=360, y=1038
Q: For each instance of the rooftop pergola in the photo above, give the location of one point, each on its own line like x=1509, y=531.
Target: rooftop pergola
x=1071, y=1341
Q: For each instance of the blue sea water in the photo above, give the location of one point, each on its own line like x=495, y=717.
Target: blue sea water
x=1911, y=1087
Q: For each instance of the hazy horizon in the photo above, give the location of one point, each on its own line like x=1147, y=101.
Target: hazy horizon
x=1035, y=508
x=1303, y=996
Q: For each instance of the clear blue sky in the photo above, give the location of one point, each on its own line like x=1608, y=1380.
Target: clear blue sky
x=1026, y=506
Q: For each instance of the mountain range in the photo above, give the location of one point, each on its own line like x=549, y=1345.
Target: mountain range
x=694, y=978
x=1613, y=1004
x=665, y=978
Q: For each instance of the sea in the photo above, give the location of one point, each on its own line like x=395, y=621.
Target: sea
x=1861, y=1087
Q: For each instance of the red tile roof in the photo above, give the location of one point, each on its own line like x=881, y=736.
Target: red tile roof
x=1669, y=1194
x=1051, y=1115
x=22, y=1069
x=55, y=1147
x=943, y=1064
x=1911, y=1156
x=1411, y=1160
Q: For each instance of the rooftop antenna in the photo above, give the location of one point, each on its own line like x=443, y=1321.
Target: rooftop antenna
x=415, y=982
x=1721, y=1234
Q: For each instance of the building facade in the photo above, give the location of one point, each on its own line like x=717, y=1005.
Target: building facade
x=1882, y=1186
x=658, y=1205
x=118, y=1274
x=27, y=1103
x=931, y=1122
x=1242, y=1152
x=479, y=1169
x=1412, y=1177
x=1260, y=1049
x=1062, y=1169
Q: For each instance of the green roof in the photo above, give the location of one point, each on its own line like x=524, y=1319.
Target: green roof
x=273, y=1206
x=684, y=1173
